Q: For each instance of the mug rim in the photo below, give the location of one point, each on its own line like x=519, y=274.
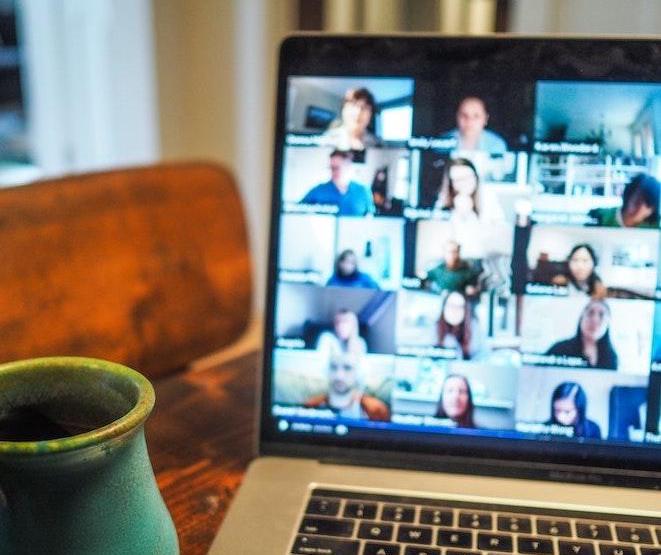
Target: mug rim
x=136, y=416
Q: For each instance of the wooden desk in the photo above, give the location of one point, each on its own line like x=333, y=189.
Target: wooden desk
x=201, y=439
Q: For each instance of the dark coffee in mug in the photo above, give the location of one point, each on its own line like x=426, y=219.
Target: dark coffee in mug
x=43, y=403
x=32, y=423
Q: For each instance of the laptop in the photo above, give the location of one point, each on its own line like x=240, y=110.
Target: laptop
x=462, y=346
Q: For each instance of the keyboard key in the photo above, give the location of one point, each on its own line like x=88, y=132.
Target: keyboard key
x=327, y=527
x=535, y=546
x=480, y=521
x=315, y=545
x=553, y=527
x=375, y=531
x=439, y=517
x=593, y=531
x=324, y=507
x=381, y=549
x=494, y=542
x=327, y=530
x=634, y=534
x=414, y=534
x=514, y=524
x=575, y=548
x=414, y=550
x=356, y=509
x=398, y=513
x=454, y=538
x=611, y=549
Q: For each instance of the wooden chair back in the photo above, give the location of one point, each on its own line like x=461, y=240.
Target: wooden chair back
x=149, y=266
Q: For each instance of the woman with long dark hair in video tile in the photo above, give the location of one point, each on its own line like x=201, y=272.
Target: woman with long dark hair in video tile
x=459, y=188
x=458, y=329
x=640, y=205
x=351, y=132
x=568, y=408
x=580, y=276
x=592, y=341
x=347, y=274
x=473, y=211
x=456, y=401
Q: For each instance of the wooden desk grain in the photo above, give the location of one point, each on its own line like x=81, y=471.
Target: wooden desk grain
x=201, y=439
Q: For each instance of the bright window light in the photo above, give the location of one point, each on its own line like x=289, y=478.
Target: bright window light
x=396, y=123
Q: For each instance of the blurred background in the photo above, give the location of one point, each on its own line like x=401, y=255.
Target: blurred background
x=96, y=84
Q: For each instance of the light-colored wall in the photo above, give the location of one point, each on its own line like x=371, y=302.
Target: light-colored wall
x=216, y=67
x=586, y=16
x=194, y=53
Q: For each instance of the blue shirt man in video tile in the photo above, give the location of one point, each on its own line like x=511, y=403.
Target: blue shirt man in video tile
x=351, y=198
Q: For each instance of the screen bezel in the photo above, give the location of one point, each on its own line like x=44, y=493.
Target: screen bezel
x=337, y=55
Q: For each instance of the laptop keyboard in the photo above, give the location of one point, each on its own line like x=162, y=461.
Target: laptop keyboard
x=348, y=523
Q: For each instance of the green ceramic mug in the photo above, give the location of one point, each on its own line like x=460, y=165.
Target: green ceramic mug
x=75, y=477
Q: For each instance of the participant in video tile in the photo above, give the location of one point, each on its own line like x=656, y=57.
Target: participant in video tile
x=456, y=401
x=345, y=337
x=592, y=341
x=459, y=190
x=580, y=276
x=346, y=394
x=472, y=211
x=351, y=132
x=384, y=204
x=453, y=273
x=569, y=408
x=471, y=132
x=459, y=330
x=640, y=205
x=347, y=274
x=351, y=198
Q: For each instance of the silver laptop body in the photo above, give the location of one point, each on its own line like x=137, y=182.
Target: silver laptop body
x=462, y=302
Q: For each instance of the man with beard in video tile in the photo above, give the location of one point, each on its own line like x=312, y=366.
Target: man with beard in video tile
x=346, y=390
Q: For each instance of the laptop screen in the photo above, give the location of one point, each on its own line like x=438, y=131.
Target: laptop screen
x=465, y=246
